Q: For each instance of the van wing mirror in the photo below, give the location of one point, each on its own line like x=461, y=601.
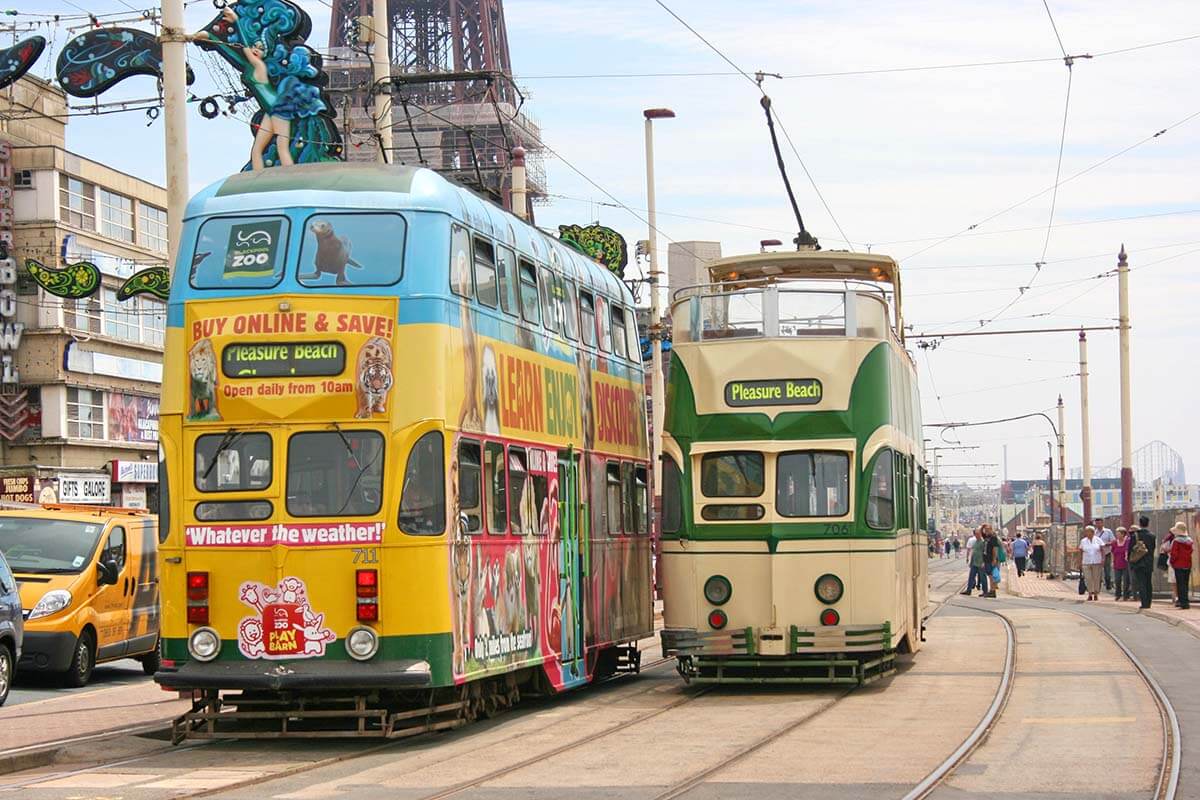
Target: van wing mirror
x=108, y=572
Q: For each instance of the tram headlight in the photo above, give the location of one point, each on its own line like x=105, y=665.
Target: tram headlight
x=718, y=590
x=829, y=588
x=204, y=644
x=362, y=643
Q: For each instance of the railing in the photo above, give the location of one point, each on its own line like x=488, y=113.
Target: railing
x=706, y=313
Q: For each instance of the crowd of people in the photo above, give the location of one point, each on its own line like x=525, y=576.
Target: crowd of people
x=1120, y=561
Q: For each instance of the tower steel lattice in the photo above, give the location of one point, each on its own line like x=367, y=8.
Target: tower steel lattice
x=454, y=104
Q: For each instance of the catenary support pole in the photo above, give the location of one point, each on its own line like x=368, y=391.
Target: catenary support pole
x=381, y=71
x=1062, y=462
x=1126, y=391
x=518, y=200
x=1085, y=493
x=174, y=86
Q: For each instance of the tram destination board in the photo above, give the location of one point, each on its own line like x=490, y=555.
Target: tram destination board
x=776, y=392
x=285, y=360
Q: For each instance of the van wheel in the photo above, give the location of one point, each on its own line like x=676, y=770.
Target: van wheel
x=80, y=671
x=151, y=661
x=7, y=668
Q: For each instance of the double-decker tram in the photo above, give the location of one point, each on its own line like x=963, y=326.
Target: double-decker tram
x=793, y=473
x=404, y=458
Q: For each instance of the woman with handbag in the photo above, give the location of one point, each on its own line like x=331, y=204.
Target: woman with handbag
x=1121, y=575
x=1092, y=551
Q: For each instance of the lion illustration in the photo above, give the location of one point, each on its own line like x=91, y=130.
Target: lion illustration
x=374, y=377
x=202, y=365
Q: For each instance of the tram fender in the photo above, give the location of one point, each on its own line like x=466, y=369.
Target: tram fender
x=296, y=675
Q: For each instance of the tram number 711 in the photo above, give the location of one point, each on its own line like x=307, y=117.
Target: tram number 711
x=366, y=555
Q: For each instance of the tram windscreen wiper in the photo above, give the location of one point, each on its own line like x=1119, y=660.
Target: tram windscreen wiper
x=231, y=436
x=338, y=430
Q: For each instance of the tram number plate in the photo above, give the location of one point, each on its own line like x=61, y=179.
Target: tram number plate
x=366, y=555
x=837, y=528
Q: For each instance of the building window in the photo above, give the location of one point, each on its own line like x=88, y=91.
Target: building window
x=85, y=414
x=82, y=315
x=154, y=321
x=152, y=228
x=120, y=319
x=77, y=203
x=23, y=179
x=116, y=216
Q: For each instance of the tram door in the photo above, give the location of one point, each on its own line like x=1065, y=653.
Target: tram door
x=571, y=568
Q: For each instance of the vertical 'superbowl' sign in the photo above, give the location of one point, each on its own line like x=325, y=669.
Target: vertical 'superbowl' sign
x=10, y=329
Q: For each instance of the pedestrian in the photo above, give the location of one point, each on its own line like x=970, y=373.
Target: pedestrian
x=1122, y=578
x=1180, y=556
x=957, y=547
x=991, y=559
x=1106, y=537
x=978, y=575
x=947, y=548
x=1039, y=553
x=1141, y=560
x=1020, y=551
x=1092, y=552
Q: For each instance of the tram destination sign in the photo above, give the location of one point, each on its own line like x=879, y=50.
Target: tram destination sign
x=283, y=360
x=778, y=392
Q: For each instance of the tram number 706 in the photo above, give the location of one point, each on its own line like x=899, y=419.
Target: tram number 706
x=366, y=555
x=837, y=528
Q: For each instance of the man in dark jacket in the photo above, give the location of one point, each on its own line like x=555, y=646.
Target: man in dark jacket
x=990, y=543
x=1143, y=568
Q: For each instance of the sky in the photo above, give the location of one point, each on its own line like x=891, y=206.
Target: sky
x=904, y=161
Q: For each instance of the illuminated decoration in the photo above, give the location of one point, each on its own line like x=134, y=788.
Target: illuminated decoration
x=74, y=281
x=264, y=40
x=15, y=61
x=599, y=243
x=153, y=280
x=95, y=61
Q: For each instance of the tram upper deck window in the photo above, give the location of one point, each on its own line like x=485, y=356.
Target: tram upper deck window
x=233, y=462
x=737, y=473
x=568, y=308
x=470, y=498
x=240, y=253
x=506, y=270
x=460, y=261
x=631, y=334
x=871, y=314
x=605, y=329
x=546, y=288
x=485, y=274
x=618, y=331
x=529, y=292
x=881, y=495
x=334, y=473
x=812, y=484
x=587, y=318
x=807, y=313
x=423, y=496
x=352, y=250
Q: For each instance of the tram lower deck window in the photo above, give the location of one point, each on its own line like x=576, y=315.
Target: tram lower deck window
x=812, y=484
x=736, y=473
x=334, y=473
x=732, y=513
x=233, y=462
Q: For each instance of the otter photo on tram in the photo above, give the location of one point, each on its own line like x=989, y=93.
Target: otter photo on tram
x=794, y=484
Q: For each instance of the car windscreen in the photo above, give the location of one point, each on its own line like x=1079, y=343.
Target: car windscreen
x=47, y=545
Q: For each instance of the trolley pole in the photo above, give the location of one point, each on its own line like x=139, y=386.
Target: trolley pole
x=1085, y=493
x=1062, y=463
x=657, y=404
x=1126, y=392
x=381, y=72
x=174, y=86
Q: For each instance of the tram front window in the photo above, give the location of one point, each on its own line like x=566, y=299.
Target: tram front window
x=334, y=474
x=812, y=483
x=732, y=474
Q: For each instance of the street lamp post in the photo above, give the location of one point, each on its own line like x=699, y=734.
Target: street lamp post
x=657, y=407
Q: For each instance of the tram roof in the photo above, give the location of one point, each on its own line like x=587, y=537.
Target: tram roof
x=394, y=186
x=827, y=264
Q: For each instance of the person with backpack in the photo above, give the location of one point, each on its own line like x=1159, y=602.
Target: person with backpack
x=1141, y=560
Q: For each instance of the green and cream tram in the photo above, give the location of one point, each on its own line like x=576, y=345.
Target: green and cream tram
x=794, y=488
